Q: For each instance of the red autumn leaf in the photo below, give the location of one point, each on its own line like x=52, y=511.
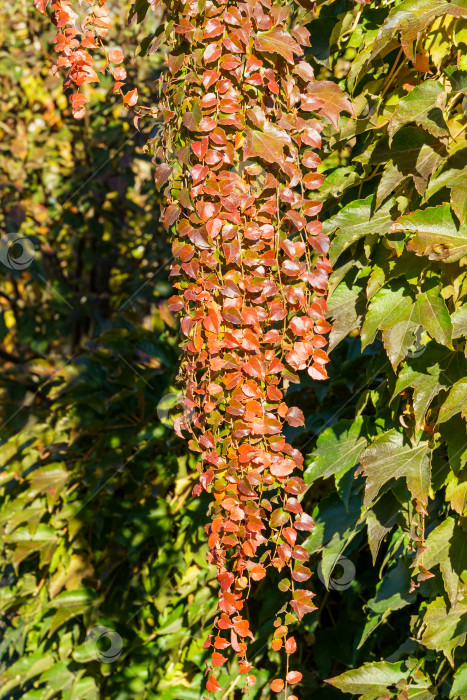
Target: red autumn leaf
x=78, y=99
x=297, y=219
x=277, y=685
x=115, y=56
x=313, y=181
x=295, y=417
x=213, y=157
x=294, y=677
x=199, y=173
x=290, y=646
x=119, y=73
x=162, y=174
x=302, y=603
x=277, y=311
x=292, y=505
x=131, y=97
x=221, y=643
x=212, y=53
x=171, y=215
x=313, y=208
x=320, y=357
x=233, y=16
x=230, y=62
x=279, y=41
x=321, y=243
x=301, y=573
x=310, y=159
x=290, y=268
x=242, y=628
x=207, y=124
x=284, y=552
x=304, y=70
x=209, y=100
x=318, y=372
x=283, y=468
x=200, y=147
x=41, y=5
x=205, y=210
x=232, y=43
x=176, y=303
x=244, y=667
x=267, y=144
x=212, y=685
x=300, y=553
x=209, y=78
x=218, y=659
x=290, y=535
x=190, y=121
x=258, y=572
x=206, y=479
x=254, y=368
x=304, y=523
x=326, y=98
x=322, y=327
x=295, y=485
x=213, y=28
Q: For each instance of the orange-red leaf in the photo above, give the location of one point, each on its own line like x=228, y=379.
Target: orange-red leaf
x=212, y=685
x=277, y=685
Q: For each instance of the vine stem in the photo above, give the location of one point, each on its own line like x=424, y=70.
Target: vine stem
x=231, y=687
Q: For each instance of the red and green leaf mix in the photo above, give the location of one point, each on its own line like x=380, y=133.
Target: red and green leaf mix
x=251, y=273
x=267, y=115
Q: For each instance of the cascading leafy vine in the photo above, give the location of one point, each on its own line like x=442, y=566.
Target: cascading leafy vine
x=77, y=34
x=251, y=272
x=251, y=269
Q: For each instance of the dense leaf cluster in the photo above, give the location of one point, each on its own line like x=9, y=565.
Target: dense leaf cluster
x=398, y=248
x=251, y=273
x=99, y=528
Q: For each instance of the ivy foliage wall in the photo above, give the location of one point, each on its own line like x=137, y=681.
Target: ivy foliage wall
x=99, y=530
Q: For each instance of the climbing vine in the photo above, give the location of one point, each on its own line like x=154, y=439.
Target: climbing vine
x=82, y=28
x=243, y=115
x=239, y=166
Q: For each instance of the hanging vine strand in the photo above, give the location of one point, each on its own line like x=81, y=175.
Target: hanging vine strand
x=238, y=161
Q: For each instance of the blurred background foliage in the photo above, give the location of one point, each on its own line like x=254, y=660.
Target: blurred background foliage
x=99, y=529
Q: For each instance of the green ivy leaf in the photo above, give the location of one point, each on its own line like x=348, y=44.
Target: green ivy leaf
x=399, y=337
x=390, y=457
x=434, y=233
x=424, y=105
x=380, y=519
x=459, y=686
x=456, y=402
x=385, y=308
x=411, y=17
x=444, y=630
x=454, y=176
x=338, y=448
x=459, y=322
x=413, y=153
x=370, y=680
x=434, y=316
x=356, y=220
x=447, y=547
